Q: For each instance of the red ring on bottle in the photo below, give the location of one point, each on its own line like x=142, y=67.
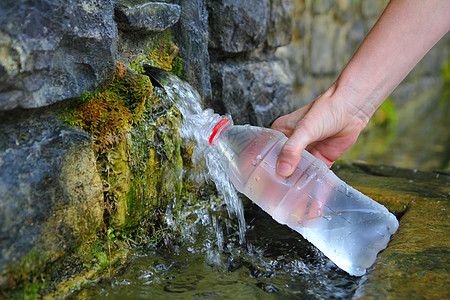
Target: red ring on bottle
x=216, y=129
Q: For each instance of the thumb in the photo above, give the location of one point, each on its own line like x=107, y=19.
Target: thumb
x=291, y=153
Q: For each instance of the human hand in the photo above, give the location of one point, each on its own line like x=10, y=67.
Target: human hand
x=326, y=128
x=331, y=124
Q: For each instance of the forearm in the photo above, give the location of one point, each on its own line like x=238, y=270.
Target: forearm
x=329, y=125
x=406, y=31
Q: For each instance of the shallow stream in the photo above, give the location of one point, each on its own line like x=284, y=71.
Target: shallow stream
x=274, y=262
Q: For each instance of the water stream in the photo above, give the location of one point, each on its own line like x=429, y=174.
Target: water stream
x=225, y=253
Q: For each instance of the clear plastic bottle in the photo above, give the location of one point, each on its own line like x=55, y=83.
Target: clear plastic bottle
x=347, y=226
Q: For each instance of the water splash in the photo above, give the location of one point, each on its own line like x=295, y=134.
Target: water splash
x=209, y=162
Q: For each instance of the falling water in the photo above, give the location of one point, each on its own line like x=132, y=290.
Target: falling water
x=208, y=160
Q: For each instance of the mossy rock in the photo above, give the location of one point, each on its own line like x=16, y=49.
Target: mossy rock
x=143, y=172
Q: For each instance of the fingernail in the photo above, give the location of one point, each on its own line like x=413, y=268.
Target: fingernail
x=284, y=169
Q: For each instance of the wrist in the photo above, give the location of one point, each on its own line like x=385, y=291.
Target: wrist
x=355, y=99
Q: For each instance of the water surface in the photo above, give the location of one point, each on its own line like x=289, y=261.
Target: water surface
x=274, y=263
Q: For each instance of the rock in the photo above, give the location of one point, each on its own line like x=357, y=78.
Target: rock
x=328, y=45
x=51, y=197
x=415, y=264
x=53, y=50
x=237, y=26
x=191, y=35
x=146, y=17
x=322, y=6
x=279, y=30
x=255, y=92
x=296, y=58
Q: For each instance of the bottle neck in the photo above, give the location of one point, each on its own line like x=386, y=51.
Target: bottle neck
x=215, y=126
x=218, y=130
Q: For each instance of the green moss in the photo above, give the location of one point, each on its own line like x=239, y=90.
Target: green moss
x=444, y=103
x=25, y=279
x=108, y=115
x=143, y=174
x=162, y=54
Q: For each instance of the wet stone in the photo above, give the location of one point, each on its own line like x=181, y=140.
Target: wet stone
x=146, y=17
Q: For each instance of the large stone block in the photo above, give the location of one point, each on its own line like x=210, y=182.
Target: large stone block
x=328, y=45
x=191, y=35
x=237, y=26
x=254, y=92
x=279, y=30
x=54, y=49
x=147, y=16
x=51, y=197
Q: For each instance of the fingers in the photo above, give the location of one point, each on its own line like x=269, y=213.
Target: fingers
x=318, y=149
x=291, y=153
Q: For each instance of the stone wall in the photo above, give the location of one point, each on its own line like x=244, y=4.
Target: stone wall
x=246, y=77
